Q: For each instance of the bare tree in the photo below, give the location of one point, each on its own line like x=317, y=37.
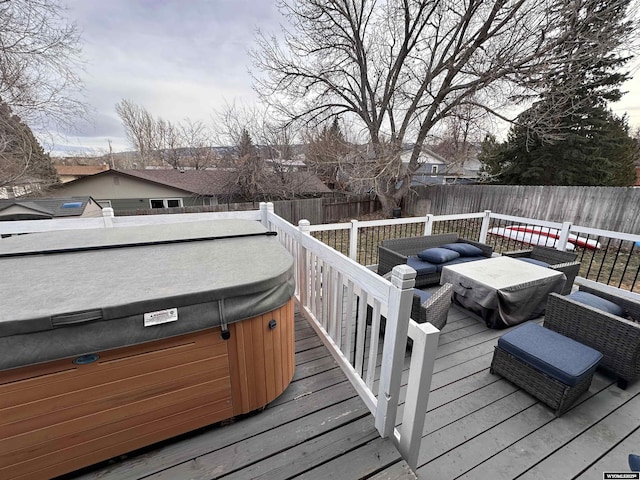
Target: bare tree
x=140, y=128
x=198, y=145
x=401, y=68
x=39, y=62
x=39, y=83
x=259, y=154
x=162, y=142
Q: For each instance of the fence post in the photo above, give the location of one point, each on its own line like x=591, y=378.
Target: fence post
x=303, y=280
x=484, y=229
x=107, y=217
x=423, y=356
x=428, y=224
x=353, y=240
x=395, y=341
x=564, y=236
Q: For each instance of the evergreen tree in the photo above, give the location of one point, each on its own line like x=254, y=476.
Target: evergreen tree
x=22, y=159
x=246, y=148
x=325, y=151
x=587, y=144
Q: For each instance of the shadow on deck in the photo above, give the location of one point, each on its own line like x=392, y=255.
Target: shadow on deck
x=478, y=425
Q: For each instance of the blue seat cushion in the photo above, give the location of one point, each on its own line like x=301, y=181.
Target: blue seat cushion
x=460, y=260
x=424, y=296
x=634, y=462
x=420, y=266
x=533, y=261
x=597, y=302
x=553, y=354
x=437, y=255
x=464, y=249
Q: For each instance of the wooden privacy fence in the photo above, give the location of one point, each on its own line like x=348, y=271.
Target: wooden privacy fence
x=316, y=210
x=607, y=208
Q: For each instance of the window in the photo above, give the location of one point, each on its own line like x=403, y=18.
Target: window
x=71, y=205
x=165, y=202
x=434, y=170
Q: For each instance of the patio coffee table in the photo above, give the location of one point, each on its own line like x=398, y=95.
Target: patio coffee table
x=503, y=291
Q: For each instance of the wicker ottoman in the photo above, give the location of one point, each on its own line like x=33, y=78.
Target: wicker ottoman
x=553, y=368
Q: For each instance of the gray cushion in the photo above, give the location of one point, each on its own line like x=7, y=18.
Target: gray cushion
x=437, y=255
x=597, y=302
x=420, y=266
x=533, y=261
x=464, y=249
x=560, y=357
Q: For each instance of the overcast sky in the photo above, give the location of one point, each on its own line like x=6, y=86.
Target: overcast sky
x=179, y=59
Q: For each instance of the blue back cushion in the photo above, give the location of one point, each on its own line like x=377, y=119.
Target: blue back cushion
x=597, y=302
x=437, y=255
x=533, y=261
x=634, y=462
x=464, y=249
x=424, y=296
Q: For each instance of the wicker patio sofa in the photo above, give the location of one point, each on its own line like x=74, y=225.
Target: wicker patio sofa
x=396, y=252
x=618, y=338
x=564, y=262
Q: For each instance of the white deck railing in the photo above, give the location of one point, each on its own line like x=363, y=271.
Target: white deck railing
x=344, y=302
x=617, y=263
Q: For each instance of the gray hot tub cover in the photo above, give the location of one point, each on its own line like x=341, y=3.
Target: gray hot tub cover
x=58, y=305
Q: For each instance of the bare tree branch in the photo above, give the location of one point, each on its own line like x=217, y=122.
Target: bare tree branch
x=401, y=68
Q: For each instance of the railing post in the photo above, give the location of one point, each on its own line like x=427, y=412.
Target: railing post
x=484, y=229
x=395, y=342
x=428, y=224
x=303, y=280
x=564, y=236
x=107, y=217
x=353, y=240
x=423, y=357
x=263, y=214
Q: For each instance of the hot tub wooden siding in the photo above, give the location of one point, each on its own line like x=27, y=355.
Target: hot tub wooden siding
x=58, y=416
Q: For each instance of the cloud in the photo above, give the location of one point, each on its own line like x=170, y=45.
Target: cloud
x=181, y=59
x=177, y=59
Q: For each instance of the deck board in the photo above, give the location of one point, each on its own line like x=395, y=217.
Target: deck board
x=478, y=425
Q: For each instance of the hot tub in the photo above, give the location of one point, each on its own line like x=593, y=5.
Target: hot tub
x=114, y=339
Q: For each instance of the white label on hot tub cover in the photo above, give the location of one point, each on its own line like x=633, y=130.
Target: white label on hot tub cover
x=161, y=316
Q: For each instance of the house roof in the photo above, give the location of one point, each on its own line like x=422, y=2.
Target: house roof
x=220, y=182
x=426, y=156
x=80, y=170
x=44, y=207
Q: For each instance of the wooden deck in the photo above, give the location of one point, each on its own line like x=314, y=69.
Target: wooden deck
x=478, y=426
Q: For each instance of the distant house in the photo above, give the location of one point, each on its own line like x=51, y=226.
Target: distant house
x=46, y=208
x=464, y=172
x=434, y=169
x=155, y=188
x=431, y=167
x=68, y=173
